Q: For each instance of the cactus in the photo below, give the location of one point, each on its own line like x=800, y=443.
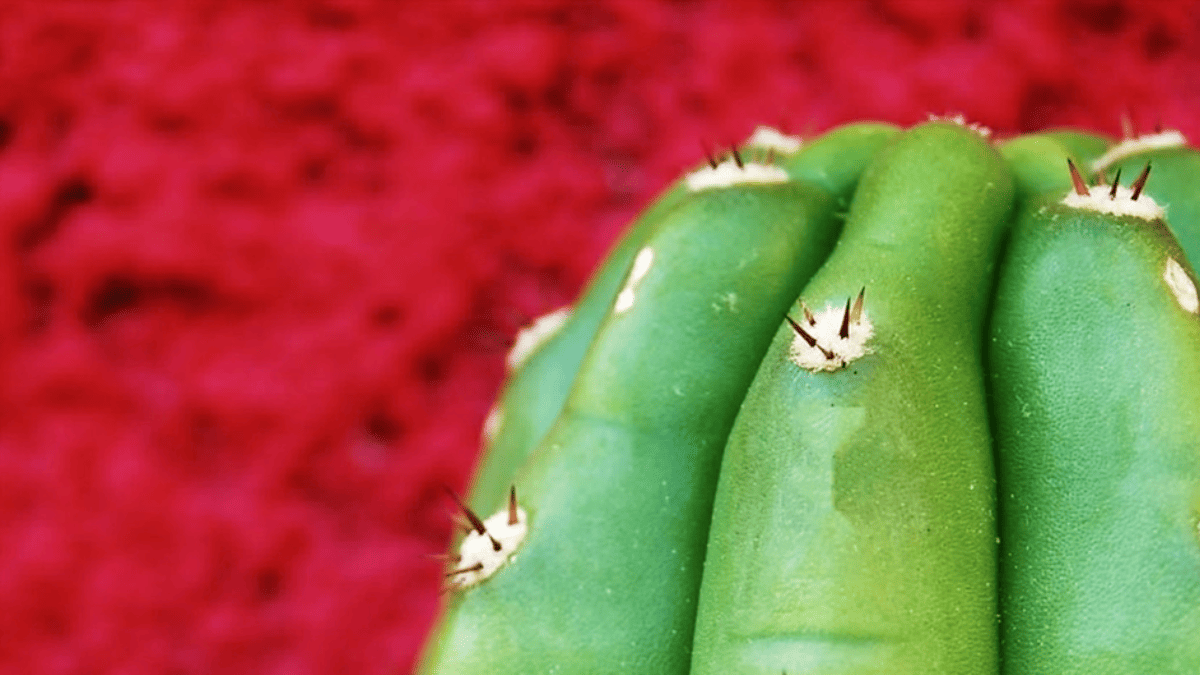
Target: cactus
x=882, y=402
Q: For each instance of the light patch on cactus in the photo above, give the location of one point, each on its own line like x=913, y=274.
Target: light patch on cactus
x=1101, y=198
x=961, y=120
x=492, y=424
x=1181, y=285
x=641, y=266
x=831, y=339
x=490, y=545
x=533, y=336
x=1170, y=138
x=732, y=172
x=769, y=138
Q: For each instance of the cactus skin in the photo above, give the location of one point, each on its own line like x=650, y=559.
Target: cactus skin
x=727, y=262
x=870, y=488
x=836, y=160
x=1038, y=160
x=534, y=395
x=1085, y=147
x=1095, y=369
x=1119, y=595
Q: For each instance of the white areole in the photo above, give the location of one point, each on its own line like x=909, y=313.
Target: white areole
x=641, y=266
x=729, y=173
x=1132, y=146
x=1180, y=283
x=481, y=555
x=1099, y=198
x=535, y=335
x=769, y=138
x=825, y=348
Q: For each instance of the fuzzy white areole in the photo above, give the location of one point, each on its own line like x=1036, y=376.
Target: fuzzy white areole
x=961, y=120
x=1169, y=138
x=481, y=555
x=831, y=339
x=492, y=424
x=1102, y=199
x=770, y=138
x=641, y=266
x=1182, y=286
x=733, y=171
x=533, y=336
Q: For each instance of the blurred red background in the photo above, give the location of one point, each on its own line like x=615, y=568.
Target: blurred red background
x=262, y=262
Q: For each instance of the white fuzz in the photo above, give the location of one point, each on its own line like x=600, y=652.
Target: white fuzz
x=1132, y=146
x=1098, y=199
x=479, y=557
x=728, y=173
x=768, y=138
x=1181, y=285
x=831, y=351
x=535, y=335
x=641, y=266
x=961, y=120
x=492, y=424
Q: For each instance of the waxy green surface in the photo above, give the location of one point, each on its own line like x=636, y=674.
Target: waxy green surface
x=1095, y=371
x=854, y=526
x=853, y=530
x=620, y=490
x=534, y=395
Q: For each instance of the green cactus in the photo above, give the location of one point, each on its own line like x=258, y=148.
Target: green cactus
x=952, y=436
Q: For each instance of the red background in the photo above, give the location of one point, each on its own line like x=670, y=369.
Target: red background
x=261, y=262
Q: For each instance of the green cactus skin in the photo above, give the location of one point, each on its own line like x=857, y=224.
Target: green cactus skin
x=535, y=393
x=619, y=493
x=1175, y=185
x=837, y=159
x=852, y=529
x=1039, y=160
x=853, y=526
x=1095, y=370
x=1083, y=146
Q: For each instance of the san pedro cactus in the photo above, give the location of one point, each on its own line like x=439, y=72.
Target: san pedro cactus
x=887, y=401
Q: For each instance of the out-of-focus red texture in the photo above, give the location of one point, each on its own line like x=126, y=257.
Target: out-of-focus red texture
x=262, y=260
